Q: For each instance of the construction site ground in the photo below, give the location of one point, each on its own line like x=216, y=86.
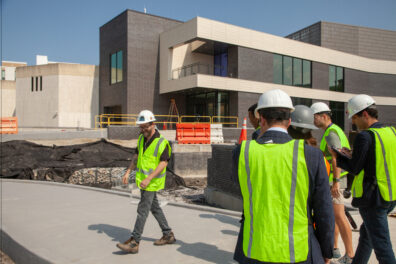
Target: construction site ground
x=50, y=222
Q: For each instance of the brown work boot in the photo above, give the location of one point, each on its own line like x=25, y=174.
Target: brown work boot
x=168, y=239
x=129, y=246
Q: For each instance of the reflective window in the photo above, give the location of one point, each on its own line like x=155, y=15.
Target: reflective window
x=306, y=74
x=292, y=71
x=332, y=73
x=116, y=61
x=301, y=101
x=277, y=69
x=287, y=70
x=336, y=78
x=337, y=113
x=340, y=79
x=297, y=72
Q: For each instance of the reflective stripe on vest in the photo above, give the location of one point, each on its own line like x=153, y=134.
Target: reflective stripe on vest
x=148, y=161
x=385, y=165
x=344, y=144
x=274, y=184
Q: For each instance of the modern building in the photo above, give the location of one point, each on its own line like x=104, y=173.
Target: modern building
x=57, y=95
x=7, y=87
x=216, y=69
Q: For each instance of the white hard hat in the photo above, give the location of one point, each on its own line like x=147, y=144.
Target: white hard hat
x=320, y=107
x=303, y=116
x=358, y=103
x=274, y=99
x=144, y=117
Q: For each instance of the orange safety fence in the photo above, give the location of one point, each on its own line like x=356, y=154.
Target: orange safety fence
x=9, y=125
x=190, y=133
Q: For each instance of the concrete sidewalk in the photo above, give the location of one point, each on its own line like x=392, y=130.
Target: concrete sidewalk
x=48, y=222
x=51, y=223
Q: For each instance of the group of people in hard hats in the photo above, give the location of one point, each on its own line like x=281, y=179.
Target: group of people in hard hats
x=286, y=194
x=290, y=212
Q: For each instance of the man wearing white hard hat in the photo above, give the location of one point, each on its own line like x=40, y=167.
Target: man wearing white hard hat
x=374, y=187
x=151, y=158
x=334, y=136
x=284, y=188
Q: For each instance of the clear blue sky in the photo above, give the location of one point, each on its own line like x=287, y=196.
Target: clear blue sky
x=68, y=30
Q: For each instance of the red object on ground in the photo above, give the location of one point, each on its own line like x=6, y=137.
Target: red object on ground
x=243, y=135
x=193, y=133
x=9, y=125
x=164, y=126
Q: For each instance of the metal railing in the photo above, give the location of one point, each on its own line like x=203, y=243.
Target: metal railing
x=201, y=68
x=105, y=120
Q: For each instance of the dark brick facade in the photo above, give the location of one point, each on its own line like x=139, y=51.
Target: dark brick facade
x=362, y=41
x=137, y=35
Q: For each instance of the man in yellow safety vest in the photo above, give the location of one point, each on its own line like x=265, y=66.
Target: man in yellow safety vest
x=150, y=160
x=374, y=186
x=284, y=188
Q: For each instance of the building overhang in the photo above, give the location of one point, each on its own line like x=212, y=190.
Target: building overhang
x=199, y=33
x=239, y=85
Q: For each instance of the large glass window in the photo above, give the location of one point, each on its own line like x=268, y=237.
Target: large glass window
x=292, y=71
x=221, y=64
x=336, y=83
x=116, y=67
x=336, y=78
x=277, y=69
x=301, y=101
x=287, y=70
x=208, y=104
x=306, y=74
x=297, y=72
x=337, y=113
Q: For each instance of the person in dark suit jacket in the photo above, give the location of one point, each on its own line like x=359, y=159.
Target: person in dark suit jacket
x=274, y=122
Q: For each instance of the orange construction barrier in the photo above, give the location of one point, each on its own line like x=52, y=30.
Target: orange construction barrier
x=243, y=135
x=192, y=133
x=9, y=125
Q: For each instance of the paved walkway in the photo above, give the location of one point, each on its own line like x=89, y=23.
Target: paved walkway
x=48, y=222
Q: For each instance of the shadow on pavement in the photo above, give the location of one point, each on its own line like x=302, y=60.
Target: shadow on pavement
x=206, y=252
x=222, y=218
x=198, y=250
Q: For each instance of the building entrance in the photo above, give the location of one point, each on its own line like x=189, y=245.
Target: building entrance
x=213, y=103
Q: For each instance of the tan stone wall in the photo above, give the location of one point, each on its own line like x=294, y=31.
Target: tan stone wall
x=78, y=100
x=69, y=96
x=37, y=108
x=7, y=103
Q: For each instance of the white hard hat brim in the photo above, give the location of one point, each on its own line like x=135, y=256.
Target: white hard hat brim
x=144, y=122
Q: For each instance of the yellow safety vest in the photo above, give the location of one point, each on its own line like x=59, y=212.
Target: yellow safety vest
x=274, y=183
x=385, y=165
x=148, y=161
x=323, y=147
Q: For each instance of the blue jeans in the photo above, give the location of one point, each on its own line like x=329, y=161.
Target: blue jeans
x=374, y=234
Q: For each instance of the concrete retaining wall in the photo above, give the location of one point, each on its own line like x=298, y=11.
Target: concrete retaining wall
x=57, y=134
x=221, y=189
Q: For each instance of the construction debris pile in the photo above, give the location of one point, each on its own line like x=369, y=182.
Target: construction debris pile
x=99, y=164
